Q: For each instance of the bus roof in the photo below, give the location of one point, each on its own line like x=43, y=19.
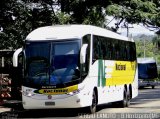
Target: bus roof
x=59, y=32
x=146, y=60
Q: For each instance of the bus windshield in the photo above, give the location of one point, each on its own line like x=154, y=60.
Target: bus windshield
x=52, y=63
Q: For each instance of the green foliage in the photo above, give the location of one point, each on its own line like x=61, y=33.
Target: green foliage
x=156, y=41
x=63, y=18
x=95, y=19
x=114, y=9
x=20, y=17
x=146, y=44
x=134, y=11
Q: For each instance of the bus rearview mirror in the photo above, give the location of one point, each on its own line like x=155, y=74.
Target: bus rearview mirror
x=83, y=53
x=15, y=57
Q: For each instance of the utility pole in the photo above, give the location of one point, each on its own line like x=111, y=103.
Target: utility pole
x=144, y=43
x=126, y=25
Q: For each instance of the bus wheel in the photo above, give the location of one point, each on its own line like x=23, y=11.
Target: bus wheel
x=128, y=99
x=124, y=102
x=94, y=103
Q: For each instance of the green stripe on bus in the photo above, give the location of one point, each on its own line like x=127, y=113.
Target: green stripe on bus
x=101, y=73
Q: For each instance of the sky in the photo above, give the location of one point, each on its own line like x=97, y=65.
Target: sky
x=136, y=30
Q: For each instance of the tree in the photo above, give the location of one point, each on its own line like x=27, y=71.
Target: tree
x=156, y=41
x=149, y=46
x=125, y=11
x=19, y=17
x=136, y=11
x=85, y=11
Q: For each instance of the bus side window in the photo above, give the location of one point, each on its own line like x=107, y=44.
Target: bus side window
x=121, y=45
x=126, y=58
x=127, y=51
x=133, y=51
x=109, y=49
x=104, y=48
x=123, y=51
x=101, y=50
x=113, y=51
x=117, y=50
x=95, y=49
x=135, y=57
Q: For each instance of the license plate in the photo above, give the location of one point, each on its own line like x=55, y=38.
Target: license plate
x=49, y=103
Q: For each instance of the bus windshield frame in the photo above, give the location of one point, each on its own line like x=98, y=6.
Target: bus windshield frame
x=52, y=63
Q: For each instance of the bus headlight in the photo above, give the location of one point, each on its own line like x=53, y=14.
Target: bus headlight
x=76, y=91
x=28, y=93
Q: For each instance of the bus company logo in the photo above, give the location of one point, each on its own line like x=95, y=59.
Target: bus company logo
x=120, y=67
x=56, y=91
x=53, y=91
x=49, y=97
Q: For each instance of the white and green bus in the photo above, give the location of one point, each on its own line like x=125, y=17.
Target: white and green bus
x=73, y=66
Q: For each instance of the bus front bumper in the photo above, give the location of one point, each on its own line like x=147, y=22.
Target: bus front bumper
x=73, y=101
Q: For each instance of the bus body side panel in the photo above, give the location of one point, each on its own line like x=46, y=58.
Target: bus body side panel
x=111, y=77
x=135, y=85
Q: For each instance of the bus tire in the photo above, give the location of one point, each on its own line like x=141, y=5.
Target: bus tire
x=128, y=99
x=93, y=107
x=153, y=87
x=124, y=102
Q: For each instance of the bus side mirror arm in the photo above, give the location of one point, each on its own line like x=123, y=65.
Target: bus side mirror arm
x=15, y=57
x=83, y=53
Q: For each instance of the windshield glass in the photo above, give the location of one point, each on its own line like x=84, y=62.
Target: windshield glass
x=51, y=63
x=147, y=71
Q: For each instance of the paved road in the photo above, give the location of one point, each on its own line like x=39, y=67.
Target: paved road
x=146, y=105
